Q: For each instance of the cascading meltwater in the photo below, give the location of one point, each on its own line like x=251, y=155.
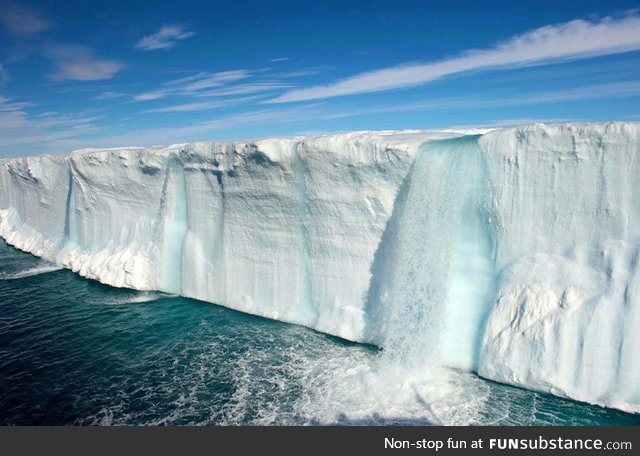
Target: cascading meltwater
x=437, y=272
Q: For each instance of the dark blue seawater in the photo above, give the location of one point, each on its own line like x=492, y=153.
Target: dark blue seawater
x=73, y=351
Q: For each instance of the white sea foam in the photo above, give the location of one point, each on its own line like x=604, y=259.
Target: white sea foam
x=140, y=297
x=30, y=272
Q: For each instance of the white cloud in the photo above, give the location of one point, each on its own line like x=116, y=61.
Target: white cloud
x=571, y=40
x=207, y=80
x=78, y=63
x=55, y=132
x=86, y=69
x=109, y=95
x=189, y=107
x=304, y=72
x=165, y=38
x=148, y=96
x=21, y=132
x=21, y=20
x=190, y=85
x=466, y=103
x=52, y=119
x=242, y=89
x=6, y=105
x=203, y=105
x=35, y=140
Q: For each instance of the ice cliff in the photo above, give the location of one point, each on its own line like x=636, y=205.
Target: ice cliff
x=514, y=252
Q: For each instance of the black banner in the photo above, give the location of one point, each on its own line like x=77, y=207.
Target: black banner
x=320, y=440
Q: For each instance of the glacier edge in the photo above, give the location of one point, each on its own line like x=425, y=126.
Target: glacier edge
x=535, y=274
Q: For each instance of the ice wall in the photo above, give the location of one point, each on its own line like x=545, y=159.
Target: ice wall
x=283, y=228
x=566, y=226
x=512, y=253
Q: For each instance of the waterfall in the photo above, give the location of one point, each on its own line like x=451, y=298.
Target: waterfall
x=437, y=279
x=172, y=221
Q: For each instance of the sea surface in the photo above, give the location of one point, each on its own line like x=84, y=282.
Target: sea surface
x=73, y=351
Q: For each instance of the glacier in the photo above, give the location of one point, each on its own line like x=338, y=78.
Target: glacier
x=509, y=252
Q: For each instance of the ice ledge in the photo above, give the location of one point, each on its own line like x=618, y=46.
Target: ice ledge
x=289, y=229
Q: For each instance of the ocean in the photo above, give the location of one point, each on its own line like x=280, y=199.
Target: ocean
x=76, y=352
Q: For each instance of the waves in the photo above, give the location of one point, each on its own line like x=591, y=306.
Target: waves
x=43, y=268
x=127, y=297
x=73, y=351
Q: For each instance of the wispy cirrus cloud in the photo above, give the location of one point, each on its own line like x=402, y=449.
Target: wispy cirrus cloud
x=202, y=81
x=198, y=131
x=79, y=63
x=192, y=84
x=243, y=89
x=203, y=105
x=109, y=95
x=21, y=20
x=304, y=72
x=62, y=133
x=165, y=38
x=8, y=105
x=189, y=107
x=41, y=132
x=588, y=92
x=319, y=111
x=561, y=42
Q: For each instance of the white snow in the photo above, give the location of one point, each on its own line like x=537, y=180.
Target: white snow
x=566, y=316
x=512, y=252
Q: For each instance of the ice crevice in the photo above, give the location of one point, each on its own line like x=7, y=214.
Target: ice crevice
x=512, y=252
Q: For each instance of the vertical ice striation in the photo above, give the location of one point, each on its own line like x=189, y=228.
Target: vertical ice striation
x=514, y=253
x=305, y=309
x=172, y=227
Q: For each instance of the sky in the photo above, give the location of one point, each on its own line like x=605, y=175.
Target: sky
x=78, y=74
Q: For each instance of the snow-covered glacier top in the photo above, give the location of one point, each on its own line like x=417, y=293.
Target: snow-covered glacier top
x=511, y=252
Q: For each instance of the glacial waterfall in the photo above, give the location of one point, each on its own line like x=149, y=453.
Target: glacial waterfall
x=172, y=227
x=438, y=270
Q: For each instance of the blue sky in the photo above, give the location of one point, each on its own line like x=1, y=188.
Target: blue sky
x=76, y=74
